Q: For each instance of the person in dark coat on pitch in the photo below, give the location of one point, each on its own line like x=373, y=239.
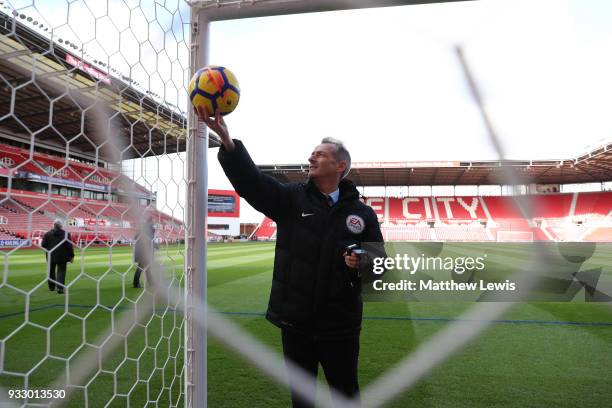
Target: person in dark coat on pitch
x=143, y=252
x=315, y=297
x=59, y=248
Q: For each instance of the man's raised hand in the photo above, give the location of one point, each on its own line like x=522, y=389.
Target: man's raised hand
x=217, y=125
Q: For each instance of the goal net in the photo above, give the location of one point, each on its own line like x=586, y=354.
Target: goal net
x=100, y=158
x=93, y=132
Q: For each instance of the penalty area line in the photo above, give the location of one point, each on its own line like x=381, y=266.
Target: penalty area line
x=388, y=318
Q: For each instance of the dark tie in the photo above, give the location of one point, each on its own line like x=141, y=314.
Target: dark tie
x=330, y=200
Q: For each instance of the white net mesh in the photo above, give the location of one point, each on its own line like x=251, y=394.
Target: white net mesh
x=92, y=129
x=93, y=134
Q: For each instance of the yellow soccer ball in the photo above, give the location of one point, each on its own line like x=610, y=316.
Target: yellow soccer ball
x=215, y=89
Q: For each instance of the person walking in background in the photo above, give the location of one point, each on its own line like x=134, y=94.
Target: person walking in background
x=143, y=252
x=59, y=252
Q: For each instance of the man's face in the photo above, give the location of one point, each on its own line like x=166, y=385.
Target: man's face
x=323, y=162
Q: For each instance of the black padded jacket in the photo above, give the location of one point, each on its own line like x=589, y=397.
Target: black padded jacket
x=313, y=291
x=58, y=243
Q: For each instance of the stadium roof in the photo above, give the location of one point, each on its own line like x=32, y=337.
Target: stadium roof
x=594, y=166
x=26, y=54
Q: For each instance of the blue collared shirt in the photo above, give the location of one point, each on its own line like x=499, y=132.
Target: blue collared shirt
x=335, y=195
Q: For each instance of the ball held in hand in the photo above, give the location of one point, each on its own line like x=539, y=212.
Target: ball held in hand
x=214, y=88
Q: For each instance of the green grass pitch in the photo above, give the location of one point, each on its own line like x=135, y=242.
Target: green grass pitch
x=537, y=355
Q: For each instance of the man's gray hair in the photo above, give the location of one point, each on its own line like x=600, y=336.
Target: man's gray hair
x=340, y=152
x=58, y=223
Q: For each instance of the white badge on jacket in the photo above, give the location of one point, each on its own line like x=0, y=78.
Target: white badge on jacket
x=355, y=224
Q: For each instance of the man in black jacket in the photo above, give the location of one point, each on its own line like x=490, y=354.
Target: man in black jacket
x=59, y=248
x=316, y=290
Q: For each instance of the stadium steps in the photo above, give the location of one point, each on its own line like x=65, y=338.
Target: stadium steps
x=547, y=234
x=6, y=207
x=599, y=230
x=30, y=205
x=24, y=204
x=83, y=209
x=8, y=234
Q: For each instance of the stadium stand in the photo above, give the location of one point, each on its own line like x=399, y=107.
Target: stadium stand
x=88, y=220
x=490, y=215
x=555, y=217
x=590, y=204
x=43, y=166
x=265, y=231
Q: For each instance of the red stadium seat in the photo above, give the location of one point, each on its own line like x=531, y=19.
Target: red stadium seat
x=558, y=217
x=265, y=231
